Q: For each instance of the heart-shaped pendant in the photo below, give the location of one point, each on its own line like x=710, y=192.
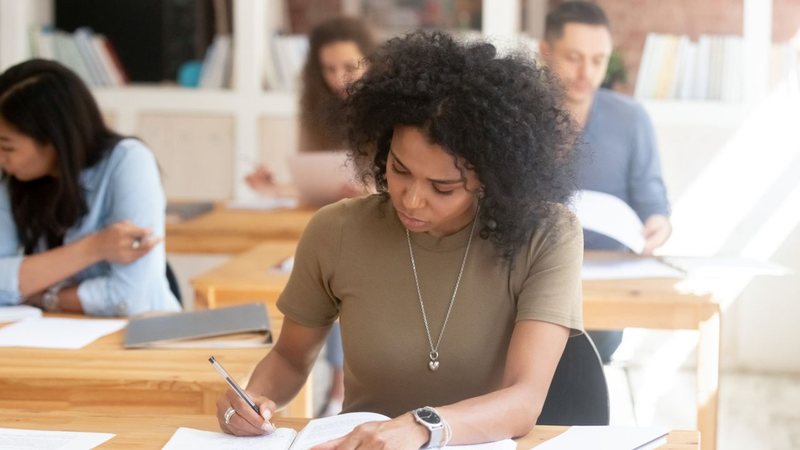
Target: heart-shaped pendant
x=433, y=365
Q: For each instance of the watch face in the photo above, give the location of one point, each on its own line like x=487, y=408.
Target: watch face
x=428, y=415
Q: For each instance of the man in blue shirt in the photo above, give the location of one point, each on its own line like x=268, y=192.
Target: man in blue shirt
x=617, y=151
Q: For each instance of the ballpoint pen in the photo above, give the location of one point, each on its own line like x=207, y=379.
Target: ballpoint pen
x=234, y=385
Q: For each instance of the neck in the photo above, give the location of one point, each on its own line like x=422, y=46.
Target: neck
x=579, y=110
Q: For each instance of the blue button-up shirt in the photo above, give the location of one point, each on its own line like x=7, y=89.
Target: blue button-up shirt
x=125, y=185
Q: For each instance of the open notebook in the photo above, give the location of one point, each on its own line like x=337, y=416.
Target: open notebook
x=170, y=329
x=316, y=432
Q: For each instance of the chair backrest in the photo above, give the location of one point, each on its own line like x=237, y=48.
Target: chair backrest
x=174, y=287
x=578, y=394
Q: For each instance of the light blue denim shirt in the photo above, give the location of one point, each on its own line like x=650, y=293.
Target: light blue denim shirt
x=125, y=185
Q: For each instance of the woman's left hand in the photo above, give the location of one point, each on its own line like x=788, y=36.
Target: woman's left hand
x=401, y=433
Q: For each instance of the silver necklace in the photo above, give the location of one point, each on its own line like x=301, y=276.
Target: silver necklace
x=433, y=363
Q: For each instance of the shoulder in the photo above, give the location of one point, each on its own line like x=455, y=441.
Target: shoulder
x=131, y=152
x=558, y=231
x=621, y=107
x=345, y=213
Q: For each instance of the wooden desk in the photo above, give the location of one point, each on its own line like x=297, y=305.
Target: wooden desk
x=225, y=230
x=607, y=304
x=104, y=377
x=136, y=431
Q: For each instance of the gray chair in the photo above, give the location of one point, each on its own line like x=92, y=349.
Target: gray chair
x=174, y=287
x=578, y=394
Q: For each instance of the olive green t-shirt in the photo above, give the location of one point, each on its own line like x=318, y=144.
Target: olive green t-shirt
x=353, y=264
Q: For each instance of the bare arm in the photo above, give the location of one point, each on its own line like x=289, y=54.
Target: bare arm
x=512, y=411
x=114, y=243
x=276, y=379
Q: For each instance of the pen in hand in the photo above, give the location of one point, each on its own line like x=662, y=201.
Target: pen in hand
x=235, y=386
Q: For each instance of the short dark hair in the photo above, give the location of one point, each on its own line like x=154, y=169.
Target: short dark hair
x=584, y=12
x=48, y=102
x=501, y=114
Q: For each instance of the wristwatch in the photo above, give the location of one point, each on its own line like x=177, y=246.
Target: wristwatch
x=50, y=299
x=430, y=419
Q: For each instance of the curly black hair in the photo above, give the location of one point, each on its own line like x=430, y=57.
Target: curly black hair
x=502, y=115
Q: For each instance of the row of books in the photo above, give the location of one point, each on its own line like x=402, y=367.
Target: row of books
x=712, y=68
x=90, y=55
x=285, y=63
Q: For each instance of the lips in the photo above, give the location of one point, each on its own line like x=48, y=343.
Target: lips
x=410, y=222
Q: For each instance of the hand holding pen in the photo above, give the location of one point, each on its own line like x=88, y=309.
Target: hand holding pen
x=238, y=413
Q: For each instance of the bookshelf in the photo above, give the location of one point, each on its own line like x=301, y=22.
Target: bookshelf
x=244, y=124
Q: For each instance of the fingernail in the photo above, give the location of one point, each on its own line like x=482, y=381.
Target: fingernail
x=266, y=414
x=268, y=427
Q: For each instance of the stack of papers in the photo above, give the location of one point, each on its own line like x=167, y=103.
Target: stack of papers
x=607, y=438
x=62, y=440
x=57, y=332
x=19, y=312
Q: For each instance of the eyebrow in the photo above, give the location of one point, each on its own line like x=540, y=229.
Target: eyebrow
x=432, y=180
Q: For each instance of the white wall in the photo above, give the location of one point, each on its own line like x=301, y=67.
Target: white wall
x=734, y=180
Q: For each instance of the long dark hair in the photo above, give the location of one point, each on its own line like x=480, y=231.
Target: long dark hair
x=321, y=117
x=49, y=103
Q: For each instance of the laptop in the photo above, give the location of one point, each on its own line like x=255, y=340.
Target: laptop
x=320, y=177
x=157, y=330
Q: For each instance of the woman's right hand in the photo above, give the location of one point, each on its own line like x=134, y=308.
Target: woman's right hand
x=244, y=421
x=123, y=242
x=261, y=180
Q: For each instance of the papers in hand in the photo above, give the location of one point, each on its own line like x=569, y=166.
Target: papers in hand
x=63, y=440
x=57, y=332
x=608, y=215
x=316, y=432
x=607, y=438
x=19, y=312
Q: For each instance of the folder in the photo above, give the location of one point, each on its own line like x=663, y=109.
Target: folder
x=173, y=328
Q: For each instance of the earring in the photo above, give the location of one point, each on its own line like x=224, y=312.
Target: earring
x=481, y=193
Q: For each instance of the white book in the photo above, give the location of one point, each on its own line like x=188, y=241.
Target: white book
x=67, y=53
x=702, y=65
x=114, y=77
x=686, y=86
x=215, y=71
x=83, y=40
x=682, y=60
x=316, y=432
x=642, y=89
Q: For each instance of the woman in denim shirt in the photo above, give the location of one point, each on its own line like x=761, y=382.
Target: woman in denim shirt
x=81, y=207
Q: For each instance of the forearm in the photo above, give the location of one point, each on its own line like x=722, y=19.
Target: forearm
x=40, y=271
x=276, y=378
x=505, y=413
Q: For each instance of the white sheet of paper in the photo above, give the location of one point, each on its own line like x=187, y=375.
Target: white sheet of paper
x=52, y=332
x=604, y=438
x=18, y=312
x=716, y=266
x=191, y=439
x=263, y=203
x=608, y=215
x=16, y=439
x=628, y=269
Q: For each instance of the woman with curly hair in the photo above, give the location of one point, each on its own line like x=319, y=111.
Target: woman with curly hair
x=458, y=283
x=337, y=48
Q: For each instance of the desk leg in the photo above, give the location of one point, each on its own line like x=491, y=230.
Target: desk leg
x=204, y=298
x=708, y=380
